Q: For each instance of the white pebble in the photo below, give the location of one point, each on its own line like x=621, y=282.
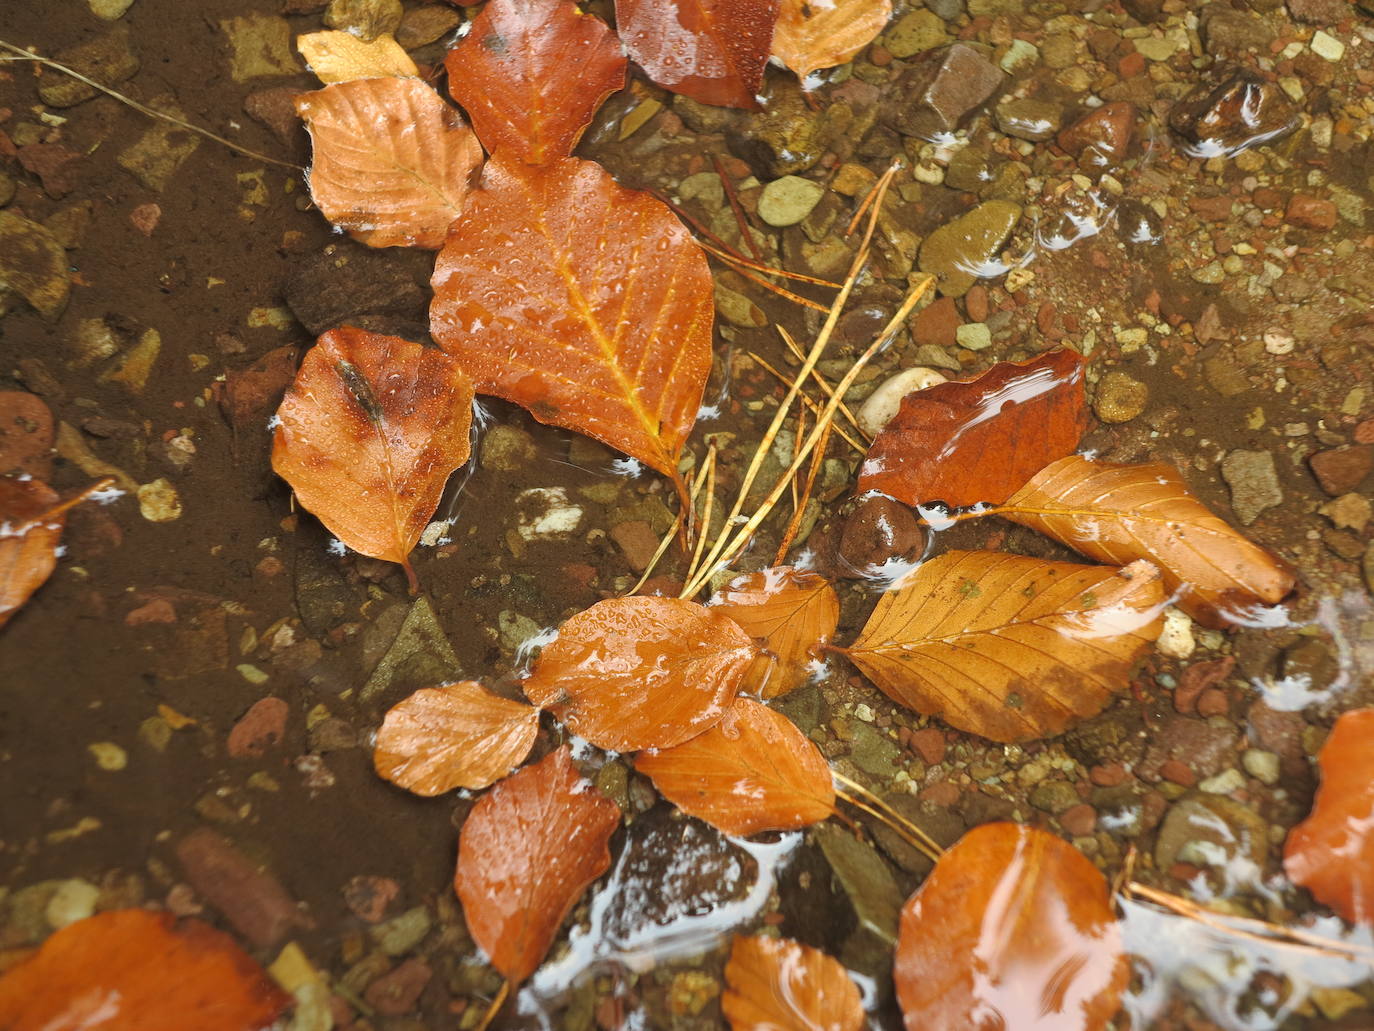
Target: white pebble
x=877, y=411
x=1176, y=639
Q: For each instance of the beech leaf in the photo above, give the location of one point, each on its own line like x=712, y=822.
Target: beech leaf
x=341, y=56
x=753, y=771
x=1331, y=853
x=32, y=517
x=632, y=673
x=453, y=736
x=370, y=431
x=791, y=614
x=1119, y=513
x=1006, y=646
x=980, y=439
x=1013, y=928
x=392, y=164
x=776, y=984
x=811, y=35
x=710, y=50
x=136, y=970
x=532, y=73
x=587, y=303
x=527, y=851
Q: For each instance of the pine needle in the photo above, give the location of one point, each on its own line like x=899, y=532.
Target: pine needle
x=821, y=382
x=737, y=208
x=736, y=258
x=811, y=405
x=861, y=798
x=709, y=468
x=782, y=291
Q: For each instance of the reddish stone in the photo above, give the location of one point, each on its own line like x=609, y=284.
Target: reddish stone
x=397, y=992
x=937, y=323
x=1131, y=65
x=145, y=218
x=1198, y=678
x=1310, y=212
x=1341, y=469
x=1184, y=872
x=1102, y=136
x=50, y=161
x=637, y=542
x=276, y=109
x=1178, y=772
x=1364, y=432
x=1213, y=702
x=1079, y=820
x=1108, y=775
x=929, y=744
x=1212, y=209
x=261, y=729
x=26, y=435
x=252, y=900
x=976, y=303
x=159, y=610
x=1268, y=198
x=252, y=394
x=943, y=793
x=369, y=897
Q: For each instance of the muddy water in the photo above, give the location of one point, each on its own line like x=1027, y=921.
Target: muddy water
x=1219, y=321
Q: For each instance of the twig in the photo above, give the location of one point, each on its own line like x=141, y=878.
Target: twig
x=743, y=270
x=821, y=382
x=737, y=208
x=810, y=404
x=799, y=504
x=861, y=798
x=769, y=270
x=495, y=1007
x=61, y=508
x=151, y=112
x=709, y=471
x=710, y=465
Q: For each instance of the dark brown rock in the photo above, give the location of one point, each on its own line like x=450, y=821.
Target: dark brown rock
x=1227, y=32
x=1319, y=12
x=108, y=59
x=1241, y=111
x=252, y=900
x=51, y=162
x=1310, y=212
x=397, y=992
x=1103, y=136
x=26, y=435
x=943, y=89
x=251, y=395
x=1342, y=469
x=276, y=109
x=877, y=531
x=637, y=542
x=370, y=897
x=1206, y=746
x=1198, y=678
x=345, y=281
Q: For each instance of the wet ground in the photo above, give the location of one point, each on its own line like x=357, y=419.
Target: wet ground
x=1206, y=240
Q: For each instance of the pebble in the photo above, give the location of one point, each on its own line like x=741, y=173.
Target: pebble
x=259, y=47
x=1348, y=512
x=158, y=502
x=881, y=405
x=546, y=512
x=786, y=138
x=260, y=729
x=402, y=933
x=929, y=744
x=33, y=263
x=1327, y=46
x=1278, y=341
x=72, y=901
x=971, y=240
x=1029, y=119
x=369, y=897
x=877, y=531
x=1211, y=830
x=506, y=448
x=251, y=899
x=108, y=755
x=1262, y=765
x=1176, y=638
x=366, y=19
x=787, y=201
x=1021, y=55
x=974, y=336
x=1253, y=481
x=1240, y=111
x=1120, y=398
x=422, y=25
x=914, y=33
x=1102, y=136
x=940, y=96
x=1340, y=470
x=738, y=310
x=637, y=542
x=109, y=10
x=1310, y=213
x=108, y=59
x=397, y=991
x=1223, y=783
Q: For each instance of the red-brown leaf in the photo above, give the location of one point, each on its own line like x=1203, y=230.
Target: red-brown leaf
x=776, y=984
x=1120, y=513
x=532, y=73
x=1331, y=853
x=1012, y=929
x=454, y=736
x=791, y=613
x=135, y=970
x=370, y=432
x=586, y=303
x=753, y=771
x=710, y=50
x=392, y=162
x=980, y=439
x=28, y=541
x=527, y=851
x=632, y=673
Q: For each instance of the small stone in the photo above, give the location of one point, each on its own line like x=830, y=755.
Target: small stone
x=1336, y=1003
x=1120, y=398
x=972, y=240
x=252, y=900
x=397, y=991
x=344, y=281
x=1210, y=830
x=787, y=137
x=1241, y=111
x=1262, y=765
x=974, y=336
x=276, y=109
x=1348, y=512
x=1158, y=48
x=134, y=367
x=259, y=47
x=422, y=25
x=1319, y=12
x=1101, y=137
x=260, y=729
x=370, y=897
x=850, y=180
x=1223, y=783
x=877, y=532
x=1310, y=213
x=1227, y=32
x=943, y=90
x=1254, y=483
x=786, y=201
x=738, y=310
x=936, y=324
x=637, y=542
x=881, y=405
x=402, y=933
x=1028, y=119
x=1279, y=341
x=366, y=19
x=158, y=502
x=154, y=158
x=72, y=901
x=547, y=512
x=1176, y=638
x=914, y=33
x=109, y=10
x=1079, y=820
x=506, y=449
x=108, y=59
x=33, y=263
x=1327, y=46
x=1054, y=796
x=108, y=756
x=1340, y=470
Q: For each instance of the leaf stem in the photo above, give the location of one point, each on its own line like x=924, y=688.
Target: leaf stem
x=495, y=1007
x=62, y=507
x=859, y=796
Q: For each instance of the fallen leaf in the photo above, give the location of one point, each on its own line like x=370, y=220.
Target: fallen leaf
x=342, y=56
x=753, y=771
x=776, y=984
x=1331, y=853
x=31, y=520
x=632, y=673
x=392, y=162
x=370, y=432
x=1006, y=646
x=710, y=50
x=26, y=435
x=811, y=35
x=454, y=736
x=1013, y=928
x=527, y=851
x=981, y=439
x=791, y=614
x=1119, y=513
x=586, y=303
x=135, y=970
x=532, y=73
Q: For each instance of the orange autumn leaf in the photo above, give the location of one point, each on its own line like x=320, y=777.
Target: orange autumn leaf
x=1331, y=853
x=710, y=50
x=1009, y=647
x=980, y=439
x=454, y=736
x=31, y=520
x=341, y=56
x=632, y=673
x=586, y=303
x=1014, y=928
x=392, y=162
x=370, y=431
x=811, y=35
x=136, y=970
x=776, y=984
x=753, y=771
x=791, y=613
x=1120, y=513
x=532, y=73
x=527, y=851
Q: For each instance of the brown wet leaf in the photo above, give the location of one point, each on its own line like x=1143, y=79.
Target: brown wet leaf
x=370, y=432
x=1331, y=853
x=791, y=614
x=632, y=673
x=980, y=439
x=135, y=970
x=527, y=851
x=1013, y=928
x=1119, y=513
x=753, y=771
x=812, y=35
x=392, y=163
x=26, y=435
x=586, y=303
x=532, y=73
x=453, y=736
x=31, y=520
x=1009, y=647
x=342, y=56
x=710, y=50
x=776, y=984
